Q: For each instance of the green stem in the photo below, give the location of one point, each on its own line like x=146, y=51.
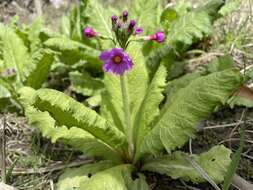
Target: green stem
x=126, y=107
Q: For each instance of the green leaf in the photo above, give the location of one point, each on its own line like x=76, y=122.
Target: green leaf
x=15, y=53
x=147, y=13
x=73, y=51
x=84, y=84
x=229, y=7
x=168, y=16
x=65, y=26
x=175, y=85
x=77, y=138
x=139, y=184
x=149, y=108
x=137, y=77
x=114, y=178
x=34, y=34
x=100, y=20
x=215, y=163
x=4, y=93
x=235, y=162
x=42, y=61
x=212, y=7
x=220, y=64
x=190, y=26
x=94, y=101
x=240, y=101
x=71, y=178
x=183, y=6
x=66, y=111
x=178, y=121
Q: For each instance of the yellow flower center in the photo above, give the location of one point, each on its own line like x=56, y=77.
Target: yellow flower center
x=117, y=59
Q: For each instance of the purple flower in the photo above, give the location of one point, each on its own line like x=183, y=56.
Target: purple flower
x=114, y=19
x=138, y=30
x=132, y=23
x=131, y=26
x=89, y=32
x=125, y=16
x=158, y=36
x=116, y=61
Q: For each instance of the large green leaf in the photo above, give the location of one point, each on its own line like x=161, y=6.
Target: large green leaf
x=211, y=7
x=149, y=108
x=177, y=84
x=190, y=26
x=137, y=83
x=72, y=178
x=65, y=26
x=84, y=84
x=100, y=20
x=147, y=13
x=42, y=61
x=66, y=111
x=178, y=121
x=15, y=53
x=72, y=51
x=34, y=34
x=214, y=162
x=75, y=137
x=4, y=93
x=230, y=6
x=115, y=178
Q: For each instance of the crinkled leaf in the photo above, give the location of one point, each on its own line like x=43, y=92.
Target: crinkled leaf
x=190, y=26
x=229, y=7
x=4, y=93
x=71, y=178
x=94, y=101
x=220, y=64
x=75, y=137
x=15, y=53
x=177, y=84
x=183, y=6
x=65, y=26
x=66, y=111
x=100, y=20
x=34, y=34
x=147, y=13
x=115, y=178
x=139, y=183
x=42, y=61
x=190, y=105
x=214, y=162
x=211, y=7
x=73, y=51
x=149, y=108
x=84, y=84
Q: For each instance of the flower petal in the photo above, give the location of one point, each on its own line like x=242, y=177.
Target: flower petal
x=105, y=55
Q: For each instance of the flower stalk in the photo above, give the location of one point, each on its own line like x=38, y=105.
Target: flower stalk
x=127, y=114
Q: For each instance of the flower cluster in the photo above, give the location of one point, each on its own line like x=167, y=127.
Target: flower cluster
x=116, y=60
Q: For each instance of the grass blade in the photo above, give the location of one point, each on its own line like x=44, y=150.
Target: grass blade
x=235, y=162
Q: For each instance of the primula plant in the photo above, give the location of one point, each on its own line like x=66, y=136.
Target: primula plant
x=135, y=130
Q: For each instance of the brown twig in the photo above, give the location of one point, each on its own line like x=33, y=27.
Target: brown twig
x=241, y=183
x=52, y=168
x=6, y=187
x=3, y=151
x=38, y=7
